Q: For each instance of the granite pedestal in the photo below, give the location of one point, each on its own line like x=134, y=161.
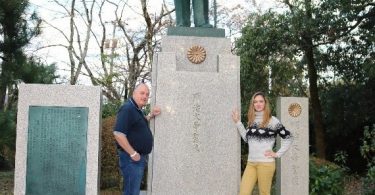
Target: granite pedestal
x=293, y=167
x=196, y=144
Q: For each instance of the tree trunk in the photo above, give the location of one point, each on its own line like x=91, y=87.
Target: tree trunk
x=315, y=104
x=70, y=47
x=2, y=95
x=307, y=46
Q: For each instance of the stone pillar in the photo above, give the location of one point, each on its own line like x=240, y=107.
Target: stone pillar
x=58, y=140
x=196, y=145
x=293, y=167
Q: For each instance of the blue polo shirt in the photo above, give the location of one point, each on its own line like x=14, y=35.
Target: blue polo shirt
x=131, y=121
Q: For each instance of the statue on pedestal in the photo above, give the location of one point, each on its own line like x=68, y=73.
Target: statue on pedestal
x=200, y=11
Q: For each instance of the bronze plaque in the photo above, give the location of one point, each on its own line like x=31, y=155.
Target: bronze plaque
x=56, y=150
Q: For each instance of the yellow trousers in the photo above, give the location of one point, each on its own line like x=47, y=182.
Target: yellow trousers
x=257, y=171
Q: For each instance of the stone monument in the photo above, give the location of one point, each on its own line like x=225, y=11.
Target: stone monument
x=293, y=168
x=195, y=81
x=58, y=140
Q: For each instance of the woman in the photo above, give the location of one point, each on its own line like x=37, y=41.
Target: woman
x=260, y=136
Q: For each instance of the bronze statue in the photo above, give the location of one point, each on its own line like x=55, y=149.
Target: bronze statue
x=200, y=11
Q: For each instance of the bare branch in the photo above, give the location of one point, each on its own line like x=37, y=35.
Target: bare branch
x=54, y=27
x=61, y=5
x=48, y=46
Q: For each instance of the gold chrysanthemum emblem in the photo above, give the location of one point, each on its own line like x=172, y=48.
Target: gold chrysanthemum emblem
x=196, y=54
x=294, y=110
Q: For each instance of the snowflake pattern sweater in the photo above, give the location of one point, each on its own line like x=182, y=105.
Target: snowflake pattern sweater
x=261, y=140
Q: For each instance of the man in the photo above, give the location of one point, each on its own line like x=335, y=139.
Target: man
x=200, y=9
x=134, y=138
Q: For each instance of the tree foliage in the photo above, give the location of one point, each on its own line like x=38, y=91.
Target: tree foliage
x=7, y=139
x=17, y=28
x=15, y=33
x=312, y=39
x=268, y=62
x=368, y=152
x=347, y=109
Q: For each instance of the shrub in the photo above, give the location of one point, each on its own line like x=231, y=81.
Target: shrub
x=368, y=152
x=369, y=182
x=325, y=177
x=111, y=108
x=110, y=172
x=7, y=139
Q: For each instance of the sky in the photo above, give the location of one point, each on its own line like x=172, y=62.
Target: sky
x=55, y=15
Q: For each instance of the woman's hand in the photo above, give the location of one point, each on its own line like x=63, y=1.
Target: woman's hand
x=270, y=154
x=235, y=116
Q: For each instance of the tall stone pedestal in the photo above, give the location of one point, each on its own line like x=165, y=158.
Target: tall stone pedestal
x=293, y=167
x=196, y=145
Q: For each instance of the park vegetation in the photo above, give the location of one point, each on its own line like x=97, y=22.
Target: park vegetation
x=323, y=50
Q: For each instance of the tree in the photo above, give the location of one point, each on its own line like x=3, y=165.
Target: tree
x=324, y=23
x=308, y=28
x=129, y=61
x=17, y=28
x=31, y=71
x=268, y=62
x=352, y=87
x=15, y=32
x=77, y=37
x=117, y=58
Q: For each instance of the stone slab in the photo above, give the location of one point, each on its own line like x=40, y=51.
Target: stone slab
x=38, y=106
x=293, y=167
x=196, y=145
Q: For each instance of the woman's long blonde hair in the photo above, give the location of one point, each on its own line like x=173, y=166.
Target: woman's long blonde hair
x=266, y=112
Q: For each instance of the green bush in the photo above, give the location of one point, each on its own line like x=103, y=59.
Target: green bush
x=7, y=139
x=111, y=108
x=368, y=152
x=325, y=177
x=369, y=182
x=110, y=172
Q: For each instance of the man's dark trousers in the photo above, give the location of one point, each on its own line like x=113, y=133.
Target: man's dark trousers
x=132, y=172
